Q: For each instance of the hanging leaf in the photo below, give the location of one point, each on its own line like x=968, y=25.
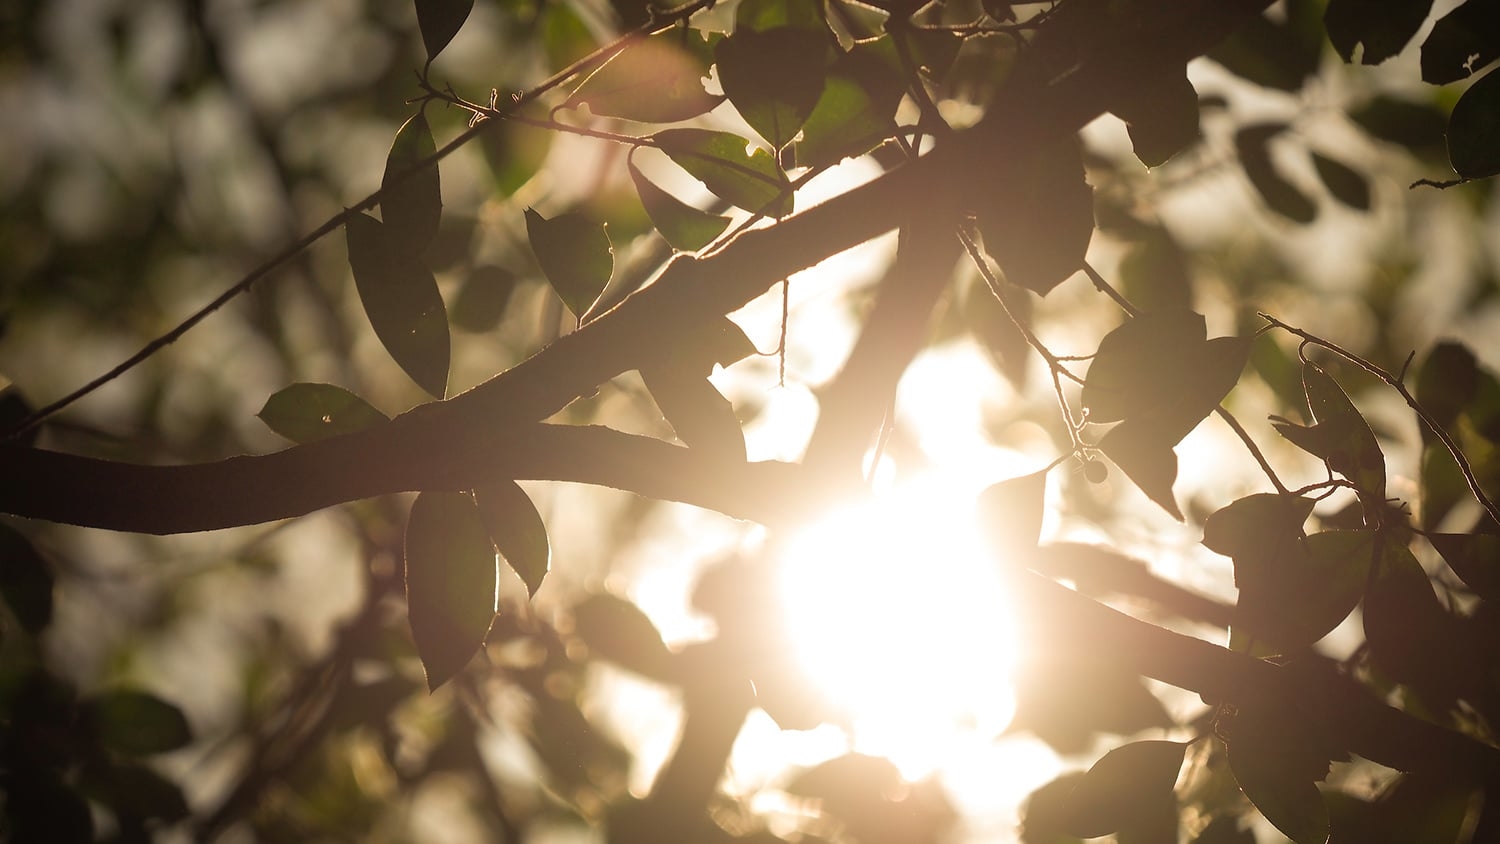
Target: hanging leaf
x=1010, y=514
x=617, y=630
x=1295, y=596
x=1474, y=129
x=575, y=254
x=1283, y=197
x=305, y=413
x=1146, y=457
x=403, y=304
x=1341, y=436
x=1474, y=557
x=134, y=723
x=1162, y=117
x=845, y=123
x=1040, y=236
x=439, y=21
x=25, y=581
x=517, y=531
x=411, y=203
x=1138, y=363
x=1276, y=54
x=699, y=414
x=686, y=228
x=1411, y=637
x=722, y=162
x=133, y=789
x=1383, y=33
x=452, y=581
x=1154, y=273
x=483, y=298
x=655, y=80
x=1292, y=803
x=1112, y=795
x=774, y=77
x=1068, y=702
x=1447, y=382
x=1461, y=42
x=1347, y=185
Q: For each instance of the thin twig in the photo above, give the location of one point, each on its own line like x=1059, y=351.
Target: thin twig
x=1108, y=289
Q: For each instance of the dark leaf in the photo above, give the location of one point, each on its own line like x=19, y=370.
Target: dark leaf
x=515, y=152
x=305, y=413
x=1262, y=524
x=1296, y=596
x=1010, y=514
x=1041, y=232
x=1146, y=457
x=1461, y=42
x=722, y=162
x=1419, y=127
x=411, y=203
x=1138, y=364
x=25, y=581
x=655, y=80
x=1426, y=806
x=483, y=298
x=1283, y=197
x=1412, y=638
x=1289, y=801
x=133, y=790
x=846, y=783
x=564, y=35
x=1474, y=129
x=617, y=630
x=439, y=21
x=1066, y=702
x=683, y=226
x=1162, y=118
x=42, y=809
x=1125, y=782
x=1044, y=809
x=13, y=408
x=1474, y=557
x=135, y=723
x=1225, y=829
x=1275, y=54
x=451, y=581
x=1442, y=485
x=1341, y=436
x=1383, y=31
x=774, y=77
x=1447, y=381
x=702, y=418
x=1154, y=273
x=403, y=304
x=575, y=254
x=845, y=123
x=517, y=530
x=1347, y=185
x=758, y=15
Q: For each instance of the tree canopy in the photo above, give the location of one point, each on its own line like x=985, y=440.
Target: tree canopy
x=748, y=420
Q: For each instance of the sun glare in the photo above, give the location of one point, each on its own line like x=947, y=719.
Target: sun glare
x=899, y=616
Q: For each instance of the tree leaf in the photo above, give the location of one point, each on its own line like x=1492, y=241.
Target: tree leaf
x=1275, y=54
x=25, y=581
x=1146, y=457
x=1474, y=557
x=1162, y=119
x=1067, y=702
x=452, y=581
x=1154, y=274
x=616, y=630
x=132, y=789
x=411, y=204
x=1418, y=126
x=758, y=15
x=483, y=298
x=1412, y=638
x=1461, y=42
x=135, y=723
x=1124, y=782
x=575, y=254
x=1347, y=185
x=517, y=531
x=1291, y=599
x=1040, y=236
x=1291, y=803
x=1474, y=129
x=1138, y=363
x=1010, y=514
x=403, y=304
x=1283, y=197
x=654, y=80
x=720, y=160
x=1341, y=436
x=1383, y=32
x=305, y=413
x=845, y=123
x=702, y=418
x=774, y=77
x=1265, y=524
x=439, y=21
x=683, y=226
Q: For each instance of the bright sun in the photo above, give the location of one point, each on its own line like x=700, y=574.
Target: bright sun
x=901, y=617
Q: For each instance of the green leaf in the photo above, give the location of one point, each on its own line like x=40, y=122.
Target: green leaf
x=1383, y=31
x=1154, y=273
x=1447, y=382
x=1474, y=557
x=1040, y=234
x=722, y=162
x=403, y=304
x=683, y=226
x=411, y=203
x=1294, y=593
x=1138, y=364
x=758, y=15
x=1418, y=126
x=439, y=21
x=1341, y=436
x=1474, y=129
x=1347, y=185
x=1275, y=54
x=1290, y=802
x=452, y=581
x=483, y=298
x=1162, y=117
x=618, y=631
x=1010, y=514
x=655, y=80
x=1283, y=197
x=517, y=531
x=1411, y=637
x=575, y=254
x=1123, y=783
x=774, y=77
x=514, y=151
x=25, y=581
x=1461, y=42
x=1145, y=455
x=845, y=123
x=564, y=35
x=135, y=723
x=305, y=413
x=699, y=414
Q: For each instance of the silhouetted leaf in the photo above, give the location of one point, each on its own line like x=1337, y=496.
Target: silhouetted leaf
x=483, y=298
x=702, y=418
x=1225, y=829
x=1138, y=363
x=655, y=80
x=1275, y=54
x=451, y=581
x=722, y=162
x=1474, y=129
x=758, y=15
x=1010, y=514
x=1412, y=638
x=1262, y=524
x=1461, y=42
x=846, y=122
x=135, y=723
x=1347, y=185
x=1447, y=381
x=1044, y=807
x=1417, y=126
x=774, y=77
x=1066, y=702
x=403, y=304
x=305, y=413
x=439, y=21
x=683, y=226
x=25, y=581
x=1424, y=806
x=133, y=790
x=1154, y=273
x=1294, y=593
x=575, y=254
x=517, y=530
x=1283, y=197
x=1474, y=557
x=1146, y=457
x=1383, y=31
x=514, y=152
x=1290, y=802
x=1341, y=436
x=1122, y=784
x=1040, y=233
x=1162, y=117
x=411, y=203
x=615, y=629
